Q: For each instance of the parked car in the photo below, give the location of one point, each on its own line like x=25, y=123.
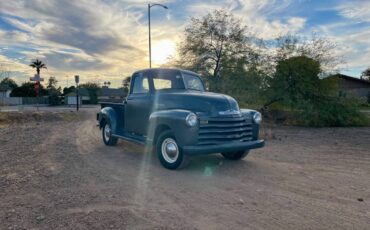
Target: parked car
x=170, y=110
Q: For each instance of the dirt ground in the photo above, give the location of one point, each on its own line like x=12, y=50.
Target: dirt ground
x=56, y=173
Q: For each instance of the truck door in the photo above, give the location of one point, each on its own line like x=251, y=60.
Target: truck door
x=138, y=105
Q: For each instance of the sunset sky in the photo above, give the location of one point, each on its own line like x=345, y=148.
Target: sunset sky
x=106, y=40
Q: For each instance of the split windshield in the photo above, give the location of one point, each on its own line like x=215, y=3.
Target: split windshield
x=173, y=79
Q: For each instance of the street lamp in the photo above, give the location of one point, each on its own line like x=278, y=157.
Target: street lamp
x=150, y=43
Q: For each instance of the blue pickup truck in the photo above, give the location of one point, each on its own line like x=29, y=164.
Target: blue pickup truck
x=170, y=111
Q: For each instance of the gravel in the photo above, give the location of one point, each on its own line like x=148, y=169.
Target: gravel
x=57, y=174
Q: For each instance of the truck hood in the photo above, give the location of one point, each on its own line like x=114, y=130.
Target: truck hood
x=195, y=101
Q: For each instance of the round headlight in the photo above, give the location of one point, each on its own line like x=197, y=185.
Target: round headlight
x=257, y=118
x=191, y=120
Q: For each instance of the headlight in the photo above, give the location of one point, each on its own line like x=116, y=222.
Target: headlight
x=191, y=120
x=257, y=118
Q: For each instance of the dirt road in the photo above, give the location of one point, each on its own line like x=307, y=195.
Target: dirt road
x=57, y=174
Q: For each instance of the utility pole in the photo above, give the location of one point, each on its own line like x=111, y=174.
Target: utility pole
x=150, y=42
x=77, y=80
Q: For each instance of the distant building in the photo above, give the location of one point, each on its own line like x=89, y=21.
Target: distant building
x=111, y=95
x=104, y=94
x=352, y=86
x=5, y=91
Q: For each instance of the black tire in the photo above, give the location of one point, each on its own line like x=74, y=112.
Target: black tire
x=108, y=139
x=238, y=155
x=178, y=160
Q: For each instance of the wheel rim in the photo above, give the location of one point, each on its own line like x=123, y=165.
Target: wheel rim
x=170, y=150
x=107, y=132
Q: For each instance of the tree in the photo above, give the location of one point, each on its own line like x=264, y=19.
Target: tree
x=126, y=84
x=320, y=49
x=27, y=89
x=296, y=83
x=366, y=74
x=67, y=90
x=52, y=83
x=93, y=89
x=53, y=91
x=215, y=42
x=38, y=65
x=296, y=79
x=9, y=82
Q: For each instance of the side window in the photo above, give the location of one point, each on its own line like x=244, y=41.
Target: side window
x=162, y=83
x=141, y=84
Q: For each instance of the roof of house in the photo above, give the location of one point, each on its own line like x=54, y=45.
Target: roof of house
x=81, y=92
x=110, y=92
x=351, y=78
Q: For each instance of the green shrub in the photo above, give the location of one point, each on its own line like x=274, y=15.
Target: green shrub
x=332, y=112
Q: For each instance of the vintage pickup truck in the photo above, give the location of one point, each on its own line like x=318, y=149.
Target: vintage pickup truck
x=170, y=111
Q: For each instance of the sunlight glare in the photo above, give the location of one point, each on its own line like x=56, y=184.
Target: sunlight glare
x=162, y=50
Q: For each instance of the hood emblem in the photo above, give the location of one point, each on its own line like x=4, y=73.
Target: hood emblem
x=230, y=112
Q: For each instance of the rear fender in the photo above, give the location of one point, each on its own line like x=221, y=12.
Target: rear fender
x=108, y=114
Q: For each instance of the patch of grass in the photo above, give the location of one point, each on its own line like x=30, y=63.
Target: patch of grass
x=7, y=118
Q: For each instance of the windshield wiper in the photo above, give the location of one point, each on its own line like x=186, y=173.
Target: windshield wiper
x=196, y=89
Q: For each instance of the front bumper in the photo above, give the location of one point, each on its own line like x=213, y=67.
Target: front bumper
x=222, y=148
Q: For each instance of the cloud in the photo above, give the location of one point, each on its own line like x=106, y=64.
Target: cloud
x=255, y=14
x=107, y=36
x=356, y=10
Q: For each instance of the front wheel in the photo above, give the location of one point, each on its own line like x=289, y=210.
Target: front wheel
x=238, y=155
x=168, y=151
x=107, y=135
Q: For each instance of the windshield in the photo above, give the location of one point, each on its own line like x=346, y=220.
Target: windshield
x=173, y=79
x=193, y=82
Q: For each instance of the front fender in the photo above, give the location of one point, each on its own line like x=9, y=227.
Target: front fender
x=248, y=114
x=108, y=114
x=175, y=120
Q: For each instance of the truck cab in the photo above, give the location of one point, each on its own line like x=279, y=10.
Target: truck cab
x=170, y=111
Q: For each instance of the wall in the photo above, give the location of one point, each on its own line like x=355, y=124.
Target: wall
x=10, y=101
x=23, y=100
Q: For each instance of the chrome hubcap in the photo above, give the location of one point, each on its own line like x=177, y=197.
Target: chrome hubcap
x=107, y=131
x=170, y=150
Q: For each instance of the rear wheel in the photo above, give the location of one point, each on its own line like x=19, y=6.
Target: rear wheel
x=169, y=153
x=238, y=155
x=107, y=135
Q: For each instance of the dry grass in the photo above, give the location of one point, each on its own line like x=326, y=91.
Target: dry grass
x=7, y=118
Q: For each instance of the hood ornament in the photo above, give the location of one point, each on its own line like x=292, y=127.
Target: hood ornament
x=230, y=112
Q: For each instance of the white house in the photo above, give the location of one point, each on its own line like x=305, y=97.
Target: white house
x=5, y=91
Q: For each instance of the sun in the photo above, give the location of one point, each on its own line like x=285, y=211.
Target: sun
x=162, y=50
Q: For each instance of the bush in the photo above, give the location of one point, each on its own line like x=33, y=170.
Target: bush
x=332, y=112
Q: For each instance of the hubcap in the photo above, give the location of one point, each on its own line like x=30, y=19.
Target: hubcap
x=170, y=150
x=107, y=131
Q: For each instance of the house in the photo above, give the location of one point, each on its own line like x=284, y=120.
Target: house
x=104, y=94
x=5, y=91
x=352, y=86
x=71, y=98
x=5, y=98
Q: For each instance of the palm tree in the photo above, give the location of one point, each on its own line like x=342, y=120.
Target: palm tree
x=38, y=65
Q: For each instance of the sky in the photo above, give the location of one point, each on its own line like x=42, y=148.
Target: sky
x=107, y=40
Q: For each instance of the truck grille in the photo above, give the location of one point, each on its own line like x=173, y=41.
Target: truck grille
x=224, y=130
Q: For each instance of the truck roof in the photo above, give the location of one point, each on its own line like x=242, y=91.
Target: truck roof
x=178, y=69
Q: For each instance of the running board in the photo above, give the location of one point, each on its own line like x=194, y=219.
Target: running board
x=127, y=138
